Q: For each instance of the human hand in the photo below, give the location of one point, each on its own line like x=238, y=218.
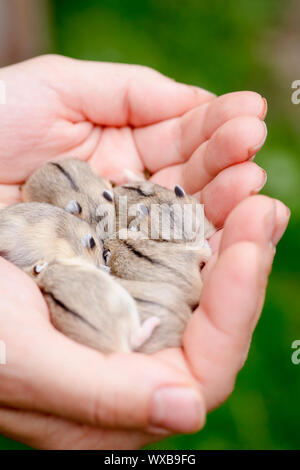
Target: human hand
x=52, y=389
x=55, y=393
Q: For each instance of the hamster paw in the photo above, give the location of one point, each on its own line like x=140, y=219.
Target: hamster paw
x=144, y=332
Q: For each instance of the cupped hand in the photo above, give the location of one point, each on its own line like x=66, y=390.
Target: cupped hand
x=55, y=393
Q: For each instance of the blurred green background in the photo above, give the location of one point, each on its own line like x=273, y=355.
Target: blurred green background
x=222, y=46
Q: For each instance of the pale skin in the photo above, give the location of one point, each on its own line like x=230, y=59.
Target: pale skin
x=55, y=393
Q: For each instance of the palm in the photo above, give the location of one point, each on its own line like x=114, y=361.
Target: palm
x=137, y=120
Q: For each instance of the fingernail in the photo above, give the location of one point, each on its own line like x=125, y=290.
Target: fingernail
x=265, y=108
x=283, y=214
x=263, y=182
x=257, y=147
x=177, y=409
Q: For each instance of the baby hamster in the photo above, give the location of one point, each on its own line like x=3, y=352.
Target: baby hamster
x=72, y=185
x=34, y=232
x=87, y=305
x=165, y=302
x=144, y=205
x=152, y=261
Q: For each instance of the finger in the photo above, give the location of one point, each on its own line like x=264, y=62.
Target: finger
x=217, y=338
x=173, y=141
x=119, y=94
x=257, y=208
x=12, y=305
x=231, y=236
x=49, y=432
x=214, y=243
x=115, y=155
x=50, y=373
x=9, y=194
x=215, y=240
x=239, y=279
x=234, y=142
x=230, y=187
x=97, y=390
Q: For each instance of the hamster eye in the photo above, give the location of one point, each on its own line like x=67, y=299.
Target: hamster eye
x=108, y=195
x=179, y=191
x=73, y=207
x=88, y=241
x=202, y=265
x=106, y=256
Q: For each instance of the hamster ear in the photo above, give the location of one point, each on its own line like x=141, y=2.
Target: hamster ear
x=73, y=207
x=39, y=267
x=108, y=195
x=179, y=191
x=88, y=241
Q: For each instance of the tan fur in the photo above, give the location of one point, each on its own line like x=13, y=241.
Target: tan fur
x=87, y=305
x=151, y=279
x=150, y=195
x=34, y=232
x=152, y=261
x=165, y=301
x=49, y=184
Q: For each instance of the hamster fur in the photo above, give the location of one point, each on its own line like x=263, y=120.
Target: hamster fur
x=165, y=302
x=152, y=261
x=72, y=185
x=147, y=203
x=36, y=232
x=90, y=307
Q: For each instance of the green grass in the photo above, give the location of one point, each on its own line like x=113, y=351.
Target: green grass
x=222, y=46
